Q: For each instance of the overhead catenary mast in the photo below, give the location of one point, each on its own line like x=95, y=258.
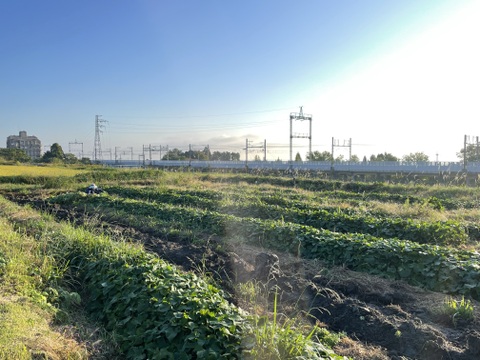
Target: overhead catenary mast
x=72, y=144
x=300, y=116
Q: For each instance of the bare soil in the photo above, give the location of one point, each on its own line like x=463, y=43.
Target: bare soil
x=382, y=319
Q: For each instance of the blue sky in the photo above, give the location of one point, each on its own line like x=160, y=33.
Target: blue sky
x=395, y=76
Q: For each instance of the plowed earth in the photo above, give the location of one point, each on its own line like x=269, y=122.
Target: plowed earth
x=382, y=319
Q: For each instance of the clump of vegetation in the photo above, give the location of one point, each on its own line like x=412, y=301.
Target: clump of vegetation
x=157, y=311
x=13, y=156
x=27, y=278
x=458, y=311
x=274, y=336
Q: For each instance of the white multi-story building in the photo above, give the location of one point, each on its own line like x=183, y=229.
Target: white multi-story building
x=30, y=144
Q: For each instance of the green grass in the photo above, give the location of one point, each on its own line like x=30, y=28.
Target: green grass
x=26, y=333
x=276, y=336
x=26, y=319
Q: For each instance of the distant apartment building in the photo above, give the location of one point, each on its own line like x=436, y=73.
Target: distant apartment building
x=30, y=144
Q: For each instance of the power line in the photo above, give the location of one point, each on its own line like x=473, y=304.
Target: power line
x=142, y=128
x=198, y=116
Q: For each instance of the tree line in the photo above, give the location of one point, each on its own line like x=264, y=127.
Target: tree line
x=205, y=154
x=56, y=155
x=327, y=156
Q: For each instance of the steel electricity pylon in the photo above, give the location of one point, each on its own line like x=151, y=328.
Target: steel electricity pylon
x=97, y=151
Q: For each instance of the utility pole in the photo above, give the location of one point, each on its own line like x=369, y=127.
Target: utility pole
x=262, y=146
x=97, y=152
x=265, y=150
x=160, y=148
x=75, y=143
x=346, y=143
x=247, y=146
x=476, y=150
x=155, y=148
x=189, y=154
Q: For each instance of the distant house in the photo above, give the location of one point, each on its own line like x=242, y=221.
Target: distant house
x=30, y=144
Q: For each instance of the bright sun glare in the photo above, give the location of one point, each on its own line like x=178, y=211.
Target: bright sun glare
x=405, y=96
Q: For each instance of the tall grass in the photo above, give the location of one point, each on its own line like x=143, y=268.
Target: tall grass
x=276, y=336
x=25, y=325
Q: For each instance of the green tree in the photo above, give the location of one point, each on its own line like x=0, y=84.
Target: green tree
x=355, y=159
x=70, y=159
x=473, y=153
x=319, y=156
x=298, y=158
x=217, y=155
x=206, y=154
x=383, y=157
x=415, y=157
x=14, y=155
x=54, y=154
x=175, y=154
x=225, y=156
x=86, y=161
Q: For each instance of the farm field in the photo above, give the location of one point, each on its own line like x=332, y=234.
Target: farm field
x=25, y=171
x=354, y=270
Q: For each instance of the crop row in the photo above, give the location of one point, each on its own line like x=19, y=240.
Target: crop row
x=431, y=201
x=439, y=232
x=203, y=199
x=153, y=309
x=208, y=199
x=354, y=190
x=458, y=230
x=431, y=266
